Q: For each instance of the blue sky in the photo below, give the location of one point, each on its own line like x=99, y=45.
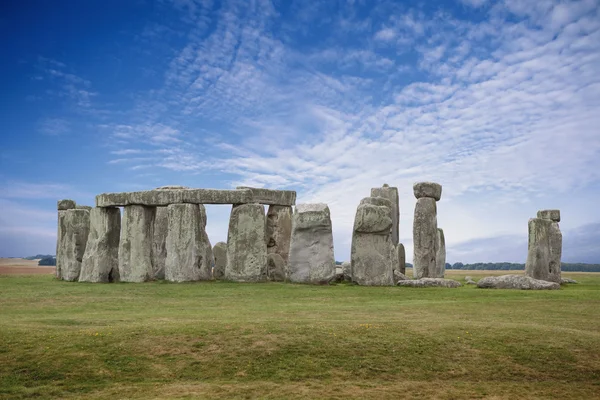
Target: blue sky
x=499, y=101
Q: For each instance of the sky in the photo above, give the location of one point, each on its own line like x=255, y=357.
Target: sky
x=498, y=101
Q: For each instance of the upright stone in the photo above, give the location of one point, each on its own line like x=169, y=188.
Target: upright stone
x=440, y=258
x=159, y=242
x=73, y=230
x=390, y=193
x=62, y=205
x=311, y=249
x=275, y=267
x=189, y=253
x=135, y=247
x=101, y=258
x=538, y=264
x=246, y=244
x=220, y=254
x=555, y=253
x=402, y=259
x=425, y=238
x=373, y=253
x=347, y=271
x=279, y=231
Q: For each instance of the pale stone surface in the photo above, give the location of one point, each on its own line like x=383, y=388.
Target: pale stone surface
x=430, y=282
x=567, y=280
x=401, y=258
x=538, y=265
x=279, y=231
x=164, y=197
x=440, y=257
x=246, y=244
x=220, y=254
x=553, y=215
x=275, y=267
x=135, y=247
x=311, y=249
x=101, y=258
x=271, y=197
x=428, y=189
x=73, y=230
x=399, y=276
x=425, y=238
x=174, y=187
x=66, y=204
x=189, y=253
x=555, y=242
x=469, y=280
x=80, y=207
x=347, y=271
x=372, y=218
x=515, y=282
x=159, y=242
x=390, y=193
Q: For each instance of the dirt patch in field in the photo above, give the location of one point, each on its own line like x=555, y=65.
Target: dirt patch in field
x=20, y=266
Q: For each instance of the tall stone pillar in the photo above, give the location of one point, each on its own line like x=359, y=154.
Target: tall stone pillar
x=73, y=230
x=279, y=231
x=545, y=247
x=246, y=244
x=135, y=247
x=159, y=242
x=62, y=206
x=440, y=258
x=373, y=254
x=189, y=253
x=101, y=258
x=425, y=229
x=311, y=249
x=401, y=259
x=391, y=193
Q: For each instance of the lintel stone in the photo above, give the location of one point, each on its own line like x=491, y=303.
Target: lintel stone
x=164, y=197
x=271, y=197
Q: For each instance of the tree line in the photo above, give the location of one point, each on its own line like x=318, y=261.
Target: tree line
x=505, y=266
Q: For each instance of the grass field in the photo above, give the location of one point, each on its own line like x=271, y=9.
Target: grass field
x=283, y=341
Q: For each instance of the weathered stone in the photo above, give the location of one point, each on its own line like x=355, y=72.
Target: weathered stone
x=440, y=255
x=189, y=253
x=271, y=197
x=73, y=230
x=391, y=193
x=401, y=258
x=279, y=231
x=101, y=258
x=79, y=207
x=515, y=282
x=135, y=247
x=430, y=282
x=311, y=249
x=246, y=245
x=172, y=187
x=567, y=280
x=538, y=265
x=555, y=241
x=428, y=189
x=66, y=204
x=164, y=197
x=553, y=215
x=469, y=280
x=338, y=277
x=275, y=267
x=425, y=238
x=220, y=254
x=347, y=271
x=372, y=218
x=159, y=242
x=399, y=276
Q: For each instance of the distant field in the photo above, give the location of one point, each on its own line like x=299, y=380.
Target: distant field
x=20, y=266
x=282, y=341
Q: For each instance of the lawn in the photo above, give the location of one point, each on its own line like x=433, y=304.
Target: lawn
x=282, y=341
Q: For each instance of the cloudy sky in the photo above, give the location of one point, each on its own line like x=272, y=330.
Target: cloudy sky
x=499, y=101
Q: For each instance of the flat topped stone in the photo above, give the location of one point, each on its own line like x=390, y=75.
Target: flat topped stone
x=553, y=215
x=66, y=204
x=164, y=197
x=271, y=197
x=428, y=189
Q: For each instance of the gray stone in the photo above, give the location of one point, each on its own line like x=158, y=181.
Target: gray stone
x=401, y=258
x=73, y=230
x=271, y=197
x=100, y=261
x=135, y=247
x=371, y=218
x=275, y=267
x=430, y=282
x=66, y=204
x=347, y=271
x=567, y=280
x=279, y=231
x=428, y=189
x=540, y=259
x=164, y=197
x=246, y=244
x=469, y=280
x=220, y=254
x=440, y=257
x=425, y=238
x=159, y=242
x=189, y=253
x=555, y=241
x=515, y=282
x=79, y=207
x=553, y=215
x=391, y=193
x=172, y=187
x=311, y=249
x=399, y=276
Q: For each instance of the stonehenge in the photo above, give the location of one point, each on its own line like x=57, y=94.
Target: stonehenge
x=159, y=242
x=390, y=193
x=135, y=246
x=279, y=231
x=101, y=258
x=544, y=249
x=72, y=236
x=425, y=233
x=220, y=255
x=440, y=255
x=516, y=282
x=401, y=259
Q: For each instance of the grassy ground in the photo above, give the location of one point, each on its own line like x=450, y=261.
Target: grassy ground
x=282, y=341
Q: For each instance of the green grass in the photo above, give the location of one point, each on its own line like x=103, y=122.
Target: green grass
x=225, y=340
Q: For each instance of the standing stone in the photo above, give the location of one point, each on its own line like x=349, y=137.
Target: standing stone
x=538, y=264
x=425, y=238
x=62, y=205
x=135, y=247
x=554, y=244
x=311, y=249
x=373, y=253
x=220, y=254
x=246, y=244
x=347, y=271
x=401, y=259
x=73, y=230
x=390, y=193
x=440, y=258
x=101, y=258
x=279, y=231
x=189, y=253
x=275, y=267
x=555, y=253
x=159, y=242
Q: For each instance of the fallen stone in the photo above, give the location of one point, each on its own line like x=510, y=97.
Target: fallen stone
x=279, y=231
x=425, y=238
x=430, y=282
x=311, y=249
x=516, y=282
x=164, y=197
x=469, y=280
x=275, y=267
x=220, y=254
x=399, y=276
x=390, y=193
x=440, y=255
x=100, y=261
x=428, y=189
x=246, y=244
x=347, y=271
x=567, y=280
x=135, y=247
x=73, y=231
x=66, y=204
x=553, y=215
x=271, y=197
x=401, y=258
x=538, y=264
x=189, y=253
x=159, y=242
